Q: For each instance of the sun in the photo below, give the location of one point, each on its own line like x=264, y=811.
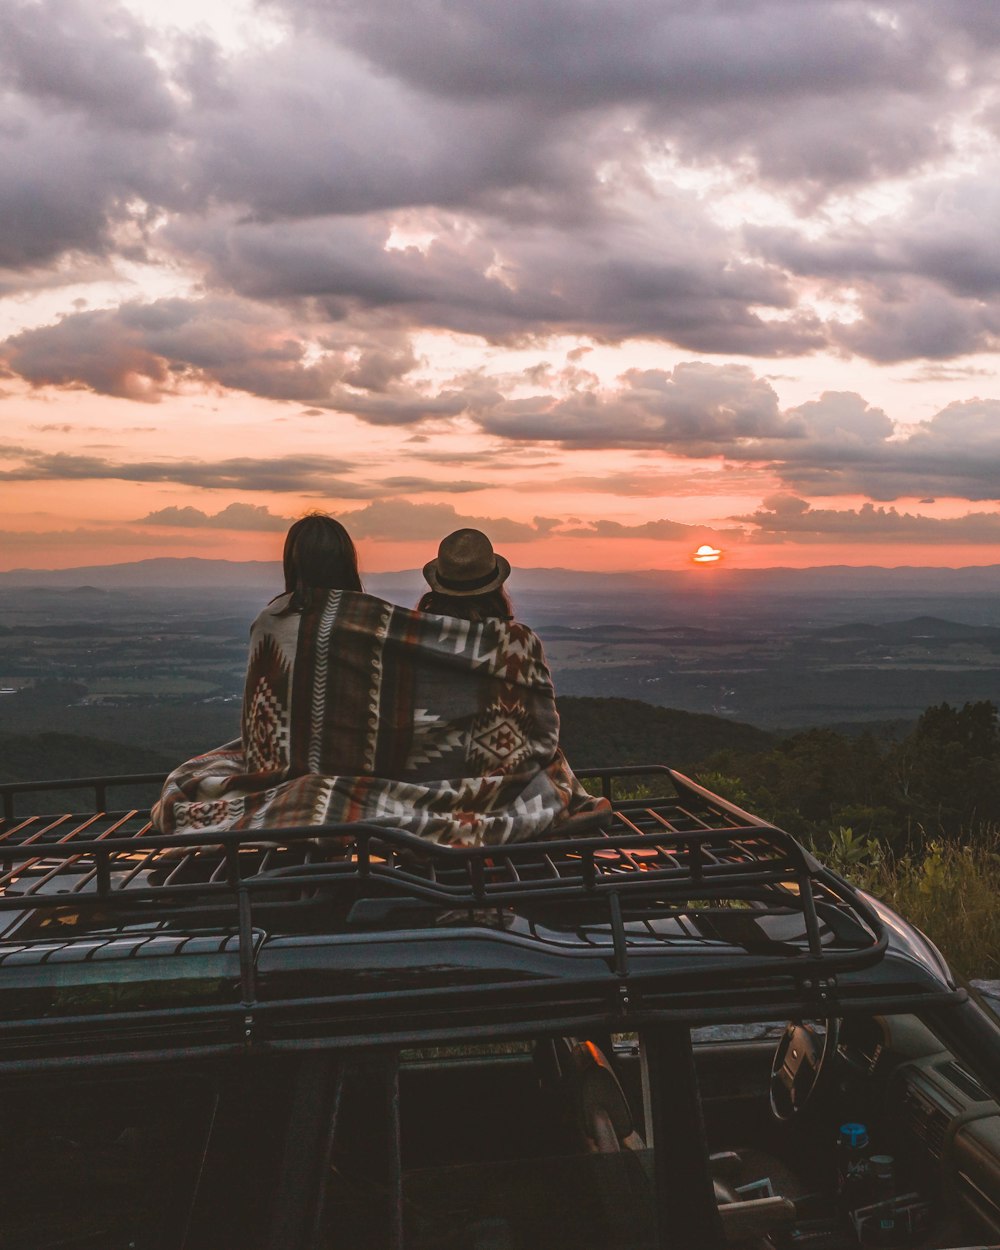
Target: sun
x=707, y=554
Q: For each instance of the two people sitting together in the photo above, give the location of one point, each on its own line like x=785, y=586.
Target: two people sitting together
x=440, y=721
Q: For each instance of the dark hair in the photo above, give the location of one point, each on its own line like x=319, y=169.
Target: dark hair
x=494, y=604
x=318, y=555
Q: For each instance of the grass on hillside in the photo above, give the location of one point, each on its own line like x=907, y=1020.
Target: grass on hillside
x=949, y=890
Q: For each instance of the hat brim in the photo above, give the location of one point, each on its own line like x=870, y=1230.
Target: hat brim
x=431, y=577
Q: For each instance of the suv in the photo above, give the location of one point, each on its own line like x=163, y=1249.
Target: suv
x=313, y=1038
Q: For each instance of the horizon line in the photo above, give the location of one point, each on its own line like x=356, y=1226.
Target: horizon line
x=700, y=570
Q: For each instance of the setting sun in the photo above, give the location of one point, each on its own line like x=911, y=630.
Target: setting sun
x=707, y=554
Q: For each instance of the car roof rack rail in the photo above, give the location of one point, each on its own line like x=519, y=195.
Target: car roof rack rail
x=669, y=848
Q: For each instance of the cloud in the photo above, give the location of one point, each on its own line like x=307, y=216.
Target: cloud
x=149, y=351
x=144, y=351
x=237, y=516
x=755, y=81
x=503, y=171
x=787, y=518
x=85, y=56
x=954, y=454
x=86, y=113
x=428, y=485
x=697, y=408
x=503, y=281
x=679, y=480
x=925, y=277
x=662, y=530
x=397, y=519
x=838, y=444
x=87, y=539
x=308, y=474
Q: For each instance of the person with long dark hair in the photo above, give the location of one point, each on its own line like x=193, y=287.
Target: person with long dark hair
x=319, y=554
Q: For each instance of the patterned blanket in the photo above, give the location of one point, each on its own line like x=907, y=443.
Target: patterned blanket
x=358, y=710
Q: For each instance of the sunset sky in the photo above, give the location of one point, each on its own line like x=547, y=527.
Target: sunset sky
x=609, y=281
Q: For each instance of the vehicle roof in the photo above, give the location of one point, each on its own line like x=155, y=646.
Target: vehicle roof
x=682, y=906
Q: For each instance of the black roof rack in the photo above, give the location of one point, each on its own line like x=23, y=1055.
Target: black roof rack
x=691, y=853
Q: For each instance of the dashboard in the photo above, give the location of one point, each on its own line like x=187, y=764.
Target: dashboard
x=937, y=1114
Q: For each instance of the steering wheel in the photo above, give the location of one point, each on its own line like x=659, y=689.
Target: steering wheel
x=802, y=1062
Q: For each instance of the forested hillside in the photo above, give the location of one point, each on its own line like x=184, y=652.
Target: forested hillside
x=48, y=756
x=942, y=778
x=596, y=732
x=25, y=758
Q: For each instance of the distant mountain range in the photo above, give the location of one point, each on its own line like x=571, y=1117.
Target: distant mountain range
x=194, y=573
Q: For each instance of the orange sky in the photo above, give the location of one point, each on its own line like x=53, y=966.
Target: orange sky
x=546, y=505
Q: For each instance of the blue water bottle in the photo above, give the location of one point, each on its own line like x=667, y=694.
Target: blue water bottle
x=854, y=1174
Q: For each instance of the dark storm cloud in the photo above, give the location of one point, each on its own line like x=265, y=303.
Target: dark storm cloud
x=954, y=454
x=88, y=56
x=141, y=351
x=518, y=279
x=697, y=409
x=83, y=145
x=787, y=518
x=516, y=139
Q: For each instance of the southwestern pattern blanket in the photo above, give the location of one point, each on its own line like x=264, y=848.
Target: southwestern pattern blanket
x=354, y=709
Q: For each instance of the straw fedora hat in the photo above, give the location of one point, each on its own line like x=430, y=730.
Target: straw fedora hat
x=466, y=564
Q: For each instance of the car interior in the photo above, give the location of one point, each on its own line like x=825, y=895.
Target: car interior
x=505, y=1145
x=545, y=1144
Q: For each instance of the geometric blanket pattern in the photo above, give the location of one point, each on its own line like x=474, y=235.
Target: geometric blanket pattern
x=359, y=710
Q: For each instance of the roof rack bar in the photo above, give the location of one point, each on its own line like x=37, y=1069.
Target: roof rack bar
x=618, y=934
x=103, y=871
x=362, y=834
x=99, y=785
x=54, y=822
x=62, y=865
x=22, y=866
x=248, y=986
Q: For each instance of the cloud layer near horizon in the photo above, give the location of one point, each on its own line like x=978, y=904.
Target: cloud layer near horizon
x=837, y=445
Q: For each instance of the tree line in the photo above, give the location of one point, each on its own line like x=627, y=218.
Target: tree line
x=939, y=779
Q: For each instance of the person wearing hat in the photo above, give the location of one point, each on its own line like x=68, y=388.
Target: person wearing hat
x=466, y=582
x=466, y=579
